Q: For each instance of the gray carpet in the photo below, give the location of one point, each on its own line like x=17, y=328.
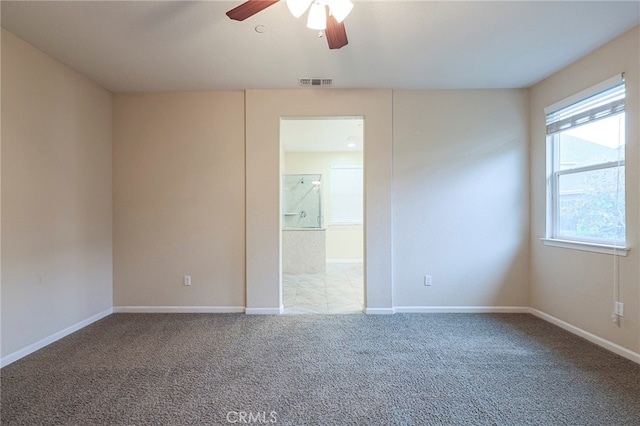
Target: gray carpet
x=403, y=369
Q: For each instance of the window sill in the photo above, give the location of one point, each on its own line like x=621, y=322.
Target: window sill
x=592, y=247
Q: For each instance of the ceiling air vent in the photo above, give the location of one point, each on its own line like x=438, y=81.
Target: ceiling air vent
x=315, y=82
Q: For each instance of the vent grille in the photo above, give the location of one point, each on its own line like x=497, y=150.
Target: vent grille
x=315, y=82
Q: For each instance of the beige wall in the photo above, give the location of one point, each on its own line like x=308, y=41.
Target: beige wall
x=460, y=198
x=263, y=111
x=343, y=242
x=56, y=197
x=179, y=200
x=575, y=286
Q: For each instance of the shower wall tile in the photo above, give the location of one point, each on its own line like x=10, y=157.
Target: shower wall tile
x=304, y=251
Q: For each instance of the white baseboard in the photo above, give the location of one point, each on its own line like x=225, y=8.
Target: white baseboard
x=13, y=357
x=378, y=311
x=178, y=309
x=613, y=347
x=264, y=311
x=462, y=309
x=345, y=261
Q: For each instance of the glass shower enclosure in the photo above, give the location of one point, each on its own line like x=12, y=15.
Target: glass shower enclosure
x=302, y=201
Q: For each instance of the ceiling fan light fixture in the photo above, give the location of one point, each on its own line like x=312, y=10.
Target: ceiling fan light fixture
x=298, y=7
x=317, y=17
x=324, y=16
x=340, y=9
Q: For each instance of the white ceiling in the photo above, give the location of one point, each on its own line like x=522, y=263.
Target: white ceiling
x=130, y=46
x=322, y=134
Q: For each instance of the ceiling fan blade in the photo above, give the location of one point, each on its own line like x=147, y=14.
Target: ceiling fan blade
x=249, y=8
x=335, y=33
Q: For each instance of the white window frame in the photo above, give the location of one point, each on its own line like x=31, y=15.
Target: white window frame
x=552, y=237
x=333, y=221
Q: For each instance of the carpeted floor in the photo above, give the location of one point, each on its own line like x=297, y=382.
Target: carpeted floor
x=403, y=369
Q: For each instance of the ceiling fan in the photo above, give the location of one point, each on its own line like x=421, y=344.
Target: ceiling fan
x=327, y=15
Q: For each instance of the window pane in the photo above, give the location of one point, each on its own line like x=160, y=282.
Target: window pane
x=599, y=142
x=346, y=195
x=591, y=205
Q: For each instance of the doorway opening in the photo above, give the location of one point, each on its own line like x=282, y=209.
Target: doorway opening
x=322, y=221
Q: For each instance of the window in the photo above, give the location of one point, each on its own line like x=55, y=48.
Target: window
x=586, y=159
x=346, y=195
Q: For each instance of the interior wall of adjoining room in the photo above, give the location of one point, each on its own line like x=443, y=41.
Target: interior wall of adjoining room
x=179, y=204
x=344, y=242
x=56, y=199
x=574, y=286
x=460, y=204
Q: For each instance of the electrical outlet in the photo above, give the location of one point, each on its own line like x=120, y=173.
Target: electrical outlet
x=427, y=280
x=187, y=280
x=619, y=309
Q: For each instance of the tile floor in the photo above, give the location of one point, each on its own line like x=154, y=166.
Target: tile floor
x=338, y=291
